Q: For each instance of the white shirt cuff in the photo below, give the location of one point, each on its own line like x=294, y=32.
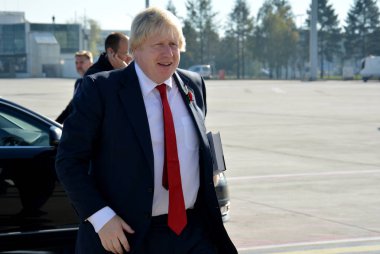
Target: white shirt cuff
x=101, y=217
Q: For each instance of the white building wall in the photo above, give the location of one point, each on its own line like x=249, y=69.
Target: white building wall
x=68, y=66
x=44, y=53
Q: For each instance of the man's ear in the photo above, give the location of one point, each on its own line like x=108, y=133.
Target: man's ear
x=110, y=51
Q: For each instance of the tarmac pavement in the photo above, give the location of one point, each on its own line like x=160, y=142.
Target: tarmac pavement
x=303, y=159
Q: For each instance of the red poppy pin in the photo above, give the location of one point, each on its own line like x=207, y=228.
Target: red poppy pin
x=190, y=96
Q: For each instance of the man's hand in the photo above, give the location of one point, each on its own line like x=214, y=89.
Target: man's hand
x=113, y=237
x=116, y=61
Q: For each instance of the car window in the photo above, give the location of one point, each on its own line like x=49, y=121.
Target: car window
x=18, y=130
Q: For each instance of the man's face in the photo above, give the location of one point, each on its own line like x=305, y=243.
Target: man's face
x=122, y=52
x=82, y=63
x=158, y=56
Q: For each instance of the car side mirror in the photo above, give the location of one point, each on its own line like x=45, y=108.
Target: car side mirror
x=55, y=134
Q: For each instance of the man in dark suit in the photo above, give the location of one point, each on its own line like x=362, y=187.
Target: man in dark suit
x=134, y=157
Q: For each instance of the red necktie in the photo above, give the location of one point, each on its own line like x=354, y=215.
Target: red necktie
x=171, y=177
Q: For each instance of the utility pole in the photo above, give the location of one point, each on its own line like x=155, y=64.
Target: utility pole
x=146, y=3
x=313, y=53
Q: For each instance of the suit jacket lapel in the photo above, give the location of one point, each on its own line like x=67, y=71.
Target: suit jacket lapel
x=133, y=103
x=196, y=114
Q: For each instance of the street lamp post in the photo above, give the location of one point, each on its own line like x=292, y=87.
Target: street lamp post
x=313, y=54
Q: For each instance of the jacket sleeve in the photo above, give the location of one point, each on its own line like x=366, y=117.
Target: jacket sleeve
x=64, y=114
x=76, y=147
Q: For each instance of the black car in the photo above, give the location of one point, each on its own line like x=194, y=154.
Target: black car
x=35, y=213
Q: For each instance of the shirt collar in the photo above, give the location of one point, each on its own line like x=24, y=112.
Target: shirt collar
x=146, y=84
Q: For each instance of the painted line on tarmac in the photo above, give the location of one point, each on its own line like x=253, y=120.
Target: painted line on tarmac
x=331, y=173
x=359, y=249
x=301, y=244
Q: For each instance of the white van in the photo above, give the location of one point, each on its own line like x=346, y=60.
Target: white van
x=370, y=68
x=204, y=70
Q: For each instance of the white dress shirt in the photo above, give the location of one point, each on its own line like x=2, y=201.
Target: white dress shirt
x=187, y=146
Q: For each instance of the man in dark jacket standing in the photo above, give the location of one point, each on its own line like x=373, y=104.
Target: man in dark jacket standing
x=116, y=55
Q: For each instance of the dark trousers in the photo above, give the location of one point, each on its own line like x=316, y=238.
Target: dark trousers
x=193, y=239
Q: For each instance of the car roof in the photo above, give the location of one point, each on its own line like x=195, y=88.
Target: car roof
x=29, y=112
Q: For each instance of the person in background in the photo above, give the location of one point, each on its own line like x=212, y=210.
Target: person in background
x=134, y=158
x=116, y=55
x=83, y=61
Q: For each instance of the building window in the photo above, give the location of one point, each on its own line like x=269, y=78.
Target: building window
x=67, y=35
x=13, y=64
x=12, y=39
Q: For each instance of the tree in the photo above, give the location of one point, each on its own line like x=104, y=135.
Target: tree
x=170, y=7
x=362, y=30
x=302, y=52
x=240, y=27
x=276, y=36
x=200, y=22
x=189, y=57
x=226, y=59
x=328, y=33
x=94, y=37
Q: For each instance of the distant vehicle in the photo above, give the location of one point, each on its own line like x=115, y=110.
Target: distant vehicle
x=204, y=70
x=370, y=68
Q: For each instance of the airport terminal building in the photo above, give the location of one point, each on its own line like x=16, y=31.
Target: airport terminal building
x=37, y=50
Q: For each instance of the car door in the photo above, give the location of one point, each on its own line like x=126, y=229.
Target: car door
x=31, y=198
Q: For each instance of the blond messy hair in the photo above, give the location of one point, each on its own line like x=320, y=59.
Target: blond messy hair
x=84, y=53
x=152, y=21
